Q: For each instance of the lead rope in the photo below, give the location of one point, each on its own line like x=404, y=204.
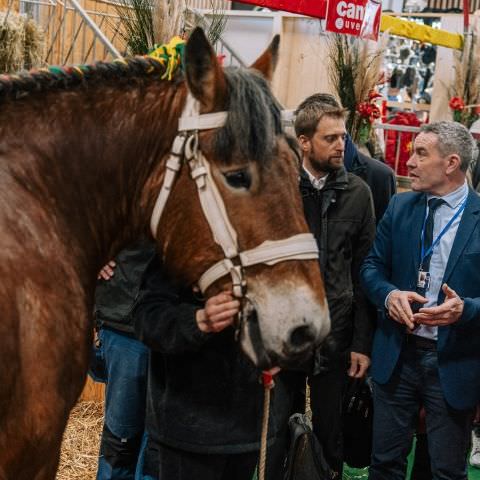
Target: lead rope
x=268, y=384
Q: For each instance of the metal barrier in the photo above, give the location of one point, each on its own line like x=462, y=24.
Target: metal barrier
x=76, y=32
x=222, y=47
x=398, y=146
x=85, y=31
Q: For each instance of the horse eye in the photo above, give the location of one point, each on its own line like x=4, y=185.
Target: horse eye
x=239, y=179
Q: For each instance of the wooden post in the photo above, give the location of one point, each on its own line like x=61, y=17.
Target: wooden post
x=93, y=391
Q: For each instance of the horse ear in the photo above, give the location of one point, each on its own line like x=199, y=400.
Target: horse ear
x=205, y=78
x=267, y=61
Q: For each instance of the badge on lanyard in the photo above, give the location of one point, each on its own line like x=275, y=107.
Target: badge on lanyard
x=423, y=280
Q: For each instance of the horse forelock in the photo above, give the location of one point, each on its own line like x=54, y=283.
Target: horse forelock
x=66, y=78
x=253, y=122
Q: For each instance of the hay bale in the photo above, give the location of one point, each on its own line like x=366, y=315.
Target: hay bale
x=34, y=45
x=12, y=36
x=22, y=43
x=81, y=440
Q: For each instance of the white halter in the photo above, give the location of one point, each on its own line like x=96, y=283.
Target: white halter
x=185, y=146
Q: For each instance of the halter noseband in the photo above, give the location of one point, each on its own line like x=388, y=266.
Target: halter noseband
x=185, y=147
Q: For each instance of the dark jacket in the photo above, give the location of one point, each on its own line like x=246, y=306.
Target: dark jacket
x=116, y=298
x=203, y=394
x=475, y=171
x=393, y=263
x=378, y=176
x=341, y=218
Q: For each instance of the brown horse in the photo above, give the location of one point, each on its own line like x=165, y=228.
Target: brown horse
x=82, y=158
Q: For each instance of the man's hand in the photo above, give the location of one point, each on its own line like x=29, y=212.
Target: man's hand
x=107, y=271
x=218, y=314
x=359, y=364
x=399, y=307
x=445, y=314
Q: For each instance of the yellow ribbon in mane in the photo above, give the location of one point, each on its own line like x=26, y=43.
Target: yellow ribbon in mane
x=169, y=55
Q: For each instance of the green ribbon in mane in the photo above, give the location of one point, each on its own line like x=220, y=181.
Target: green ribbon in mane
x=170, y=55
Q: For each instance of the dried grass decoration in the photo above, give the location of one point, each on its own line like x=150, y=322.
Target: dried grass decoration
x=22, y=43
x=81, y=440
x=146, y=24
x=465, y=91
x=354, y=71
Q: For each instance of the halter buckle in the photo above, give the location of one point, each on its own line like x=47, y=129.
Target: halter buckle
x=191, y=147
x=238, y=281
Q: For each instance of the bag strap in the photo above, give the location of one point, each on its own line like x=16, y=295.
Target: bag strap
x=308, y=402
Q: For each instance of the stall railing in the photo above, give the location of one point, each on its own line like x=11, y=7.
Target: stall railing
x=85, y=31
x=398, y=147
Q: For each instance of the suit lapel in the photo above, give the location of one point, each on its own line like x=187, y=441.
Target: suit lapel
x=467, y=225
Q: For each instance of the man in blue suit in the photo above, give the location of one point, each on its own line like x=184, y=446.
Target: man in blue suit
x=423, y=276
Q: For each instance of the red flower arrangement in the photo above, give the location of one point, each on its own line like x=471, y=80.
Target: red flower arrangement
x=465, y=116
x=368, y=112
x=456, y=104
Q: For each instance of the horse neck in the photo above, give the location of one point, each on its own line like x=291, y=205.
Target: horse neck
x=141, y=148
x=97, y=171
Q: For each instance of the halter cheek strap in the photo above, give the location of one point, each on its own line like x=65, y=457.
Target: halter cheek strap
x=185, y=147
x=172, y=168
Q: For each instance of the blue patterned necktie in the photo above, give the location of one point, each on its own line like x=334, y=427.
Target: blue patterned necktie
x=433, y=205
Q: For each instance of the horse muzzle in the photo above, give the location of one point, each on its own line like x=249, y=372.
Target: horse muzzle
x=285, y=335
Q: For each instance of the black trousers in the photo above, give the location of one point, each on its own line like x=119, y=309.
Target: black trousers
x=421, y=466
x=166, y=463
x=326, y=395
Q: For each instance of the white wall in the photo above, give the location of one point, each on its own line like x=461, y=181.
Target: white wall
x=248, y=34
x=444, y=72
x=208, y=4
x=393, y=5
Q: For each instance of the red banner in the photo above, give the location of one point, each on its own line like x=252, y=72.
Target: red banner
x=354, y=17
x=312, y=8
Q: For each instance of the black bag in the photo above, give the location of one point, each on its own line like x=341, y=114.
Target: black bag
x=358, y=423
x=306, y=460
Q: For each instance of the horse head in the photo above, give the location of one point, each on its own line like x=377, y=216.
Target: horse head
x=239, y=201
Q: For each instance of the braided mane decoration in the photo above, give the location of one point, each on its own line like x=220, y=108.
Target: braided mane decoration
x=164, y=61
x=170, y=54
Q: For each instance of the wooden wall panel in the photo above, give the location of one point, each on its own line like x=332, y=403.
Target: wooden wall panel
x=93, y=391
x=64, y=29
x=302, y=68
x=4, y=4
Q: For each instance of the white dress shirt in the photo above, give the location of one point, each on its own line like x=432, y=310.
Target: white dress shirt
x=317, y=183
x=441, y=252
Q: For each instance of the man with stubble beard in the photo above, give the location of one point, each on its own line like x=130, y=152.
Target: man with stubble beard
x=339, y=211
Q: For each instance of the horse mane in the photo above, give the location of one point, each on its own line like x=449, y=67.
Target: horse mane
x=254, y=119
x=130, y=69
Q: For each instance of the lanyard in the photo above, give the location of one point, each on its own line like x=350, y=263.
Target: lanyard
x=424, y=253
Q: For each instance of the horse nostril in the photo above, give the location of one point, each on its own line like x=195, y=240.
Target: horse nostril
x=302, y=336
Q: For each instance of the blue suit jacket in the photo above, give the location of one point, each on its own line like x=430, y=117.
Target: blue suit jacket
x=393, y=263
